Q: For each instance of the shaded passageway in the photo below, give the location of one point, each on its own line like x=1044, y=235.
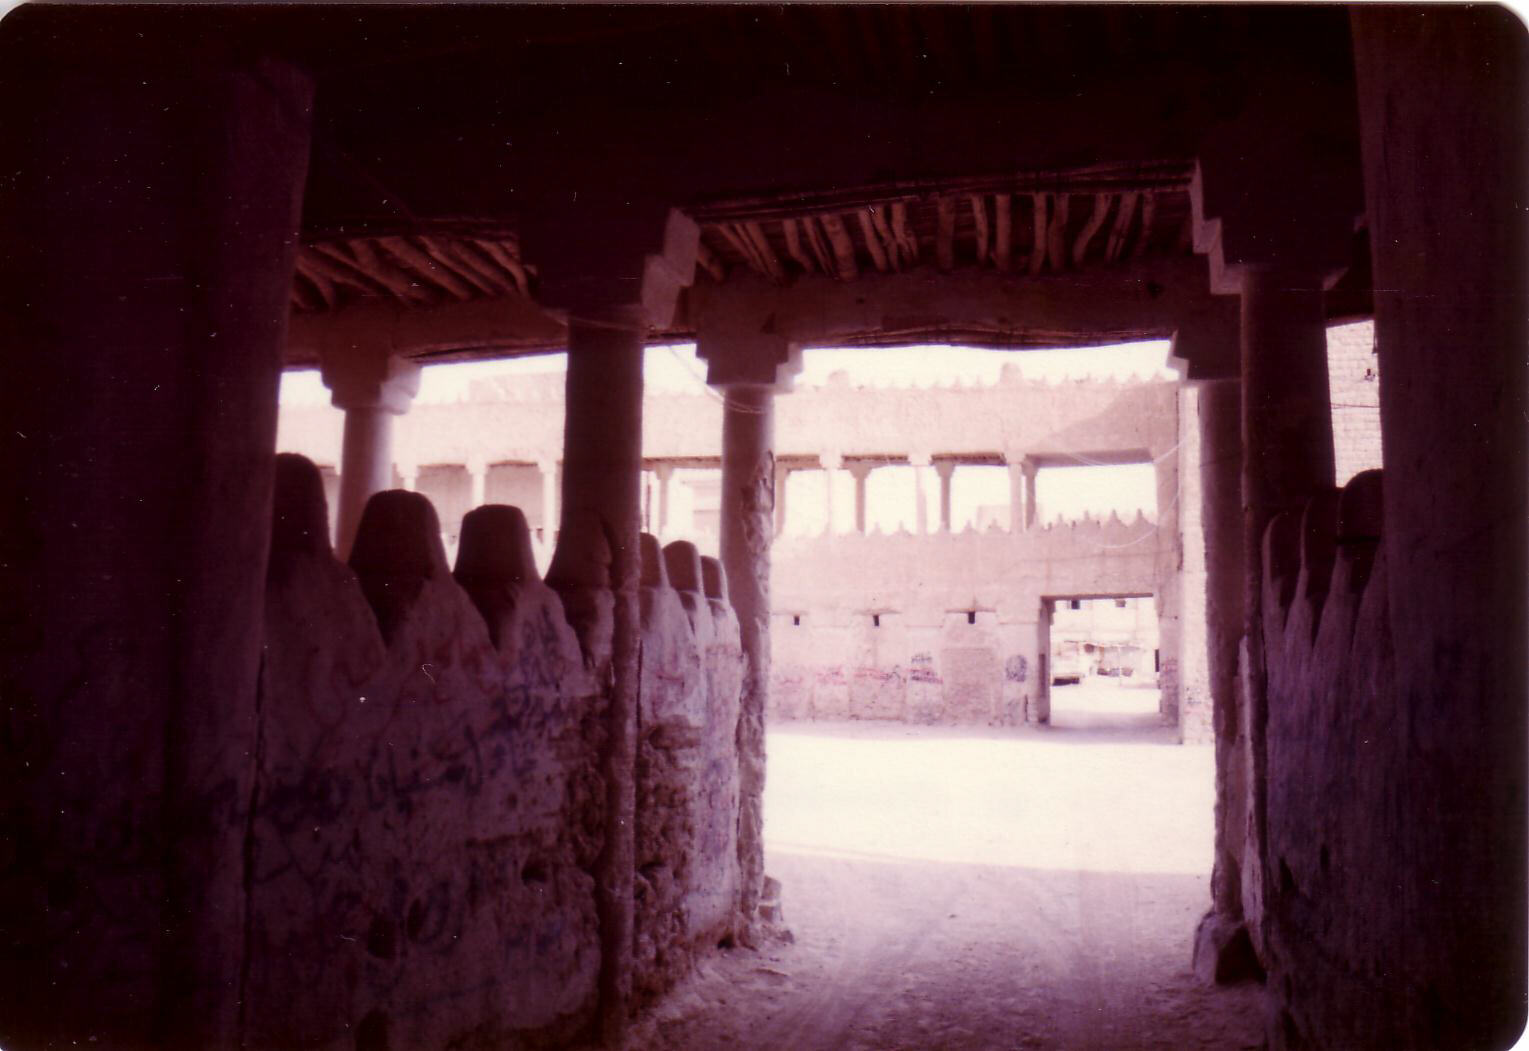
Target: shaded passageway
x=962, y=888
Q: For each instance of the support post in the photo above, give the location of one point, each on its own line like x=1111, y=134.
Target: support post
x=831, y=462
x=664, y=472
x=945, y=468
x=751, y=366
x=861, y=471
x=549, y=477
x=1028, y=468
x=748, y=498
x=920, y=463
x=371, y=388
x=611, y=295
x=1017, y=483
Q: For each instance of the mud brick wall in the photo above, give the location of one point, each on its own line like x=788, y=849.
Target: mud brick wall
x=428, y=808
x=1332, y=731
x=687, y=767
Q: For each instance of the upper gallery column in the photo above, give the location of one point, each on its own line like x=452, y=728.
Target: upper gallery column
x=945, y=469
x=614, y=268
x=751, y=367
x=372, y=388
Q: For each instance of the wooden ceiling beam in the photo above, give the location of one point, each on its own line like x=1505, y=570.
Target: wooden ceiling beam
x=844, y=248
x=1056, y=233
x=1122, y=226
x=906, y=236
x=1144, y=237
x=888, y=241
x=1095, y=221
x=500, y=253
x=872, y=242
x=820, y=249
x=411, y=256
x=793, y=236
x=1003, y=230
x=945, y=233
x=1038, y=242
x=756, y=235
x=979, y=215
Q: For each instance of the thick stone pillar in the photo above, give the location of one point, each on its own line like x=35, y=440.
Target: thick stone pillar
x=945, y=468
x=371, y=388
x=602, y=467
x=1221, y=523
x=861, y=471
x=612, y=295
x=1277, y=254
x=1441, y=96
x=147, y=274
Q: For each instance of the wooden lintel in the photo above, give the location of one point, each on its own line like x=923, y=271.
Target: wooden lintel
x=945, y=233
x=1095, y=221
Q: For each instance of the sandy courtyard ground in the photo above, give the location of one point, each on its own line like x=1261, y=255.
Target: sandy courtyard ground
x=973, y=889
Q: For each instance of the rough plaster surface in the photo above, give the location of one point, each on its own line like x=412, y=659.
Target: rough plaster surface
x=428, y=805
x=687, y=775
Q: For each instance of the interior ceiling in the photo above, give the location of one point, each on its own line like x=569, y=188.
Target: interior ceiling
x=806, y=139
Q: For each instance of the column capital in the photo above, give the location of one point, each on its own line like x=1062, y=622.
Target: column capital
x=663, y=470
x=920, y=458
x=363, y=378
x=831, y=459
x=1245, y=215
x=607, y=260
x=860, y=468
x=944, y=467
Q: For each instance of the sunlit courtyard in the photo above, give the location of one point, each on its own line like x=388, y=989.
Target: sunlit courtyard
x=960, y=888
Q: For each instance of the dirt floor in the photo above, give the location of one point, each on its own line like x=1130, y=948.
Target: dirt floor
x=972, y=889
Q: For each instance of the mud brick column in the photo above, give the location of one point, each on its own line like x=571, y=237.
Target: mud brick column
x=611, y=296
x=148, y=269
x=750, y=367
